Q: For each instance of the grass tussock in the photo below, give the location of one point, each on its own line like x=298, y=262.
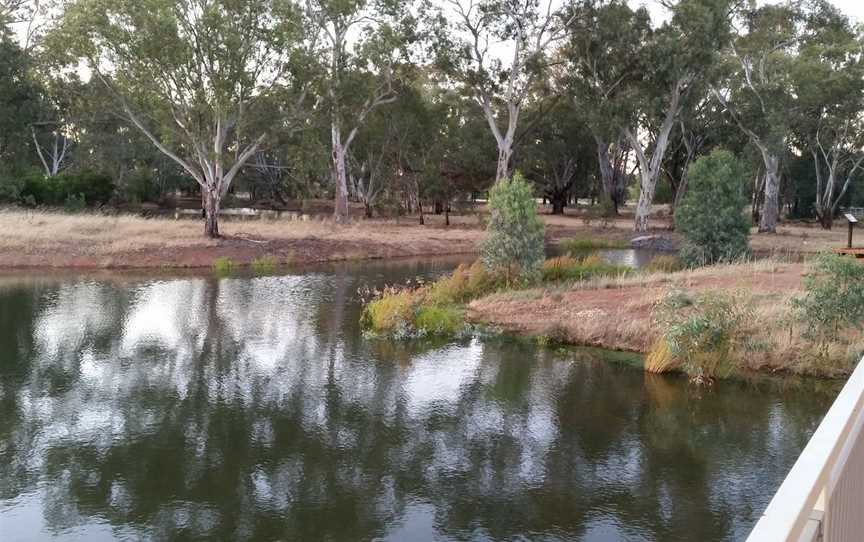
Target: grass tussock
x=568, y=268
x=664, y=263
x=223, y=267
x=266, y=265
x=660, y=359
x=581, y=245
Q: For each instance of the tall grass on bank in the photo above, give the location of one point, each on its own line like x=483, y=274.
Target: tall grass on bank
x=437, y=308
x=429, y=309
x=701, y=332
x=581, y=245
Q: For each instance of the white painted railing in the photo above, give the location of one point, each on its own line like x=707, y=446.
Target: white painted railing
x=822, y=498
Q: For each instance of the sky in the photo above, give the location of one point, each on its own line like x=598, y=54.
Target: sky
x=854, y=8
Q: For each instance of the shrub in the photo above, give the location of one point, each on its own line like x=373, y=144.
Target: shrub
x=87, y=186
x=10, y=188
x=139, y=186
x=223, y=266
x=515, y=235
x=74, y=203
x=711, y=217
x=264, y=265
x=833, y=300
x=664, y=264
x=702, y=332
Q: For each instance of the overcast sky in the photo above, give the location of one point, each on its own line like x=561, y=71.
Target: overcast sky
x=854, y=8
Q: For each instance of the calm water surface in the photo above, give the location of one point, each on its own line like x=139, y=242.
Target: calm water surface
x=254, y=409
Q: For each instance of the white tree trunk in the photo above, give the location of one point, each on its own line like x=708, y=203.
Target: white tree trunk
x=771, y=203
x=340, y=174
x=649, y=169
x=505, y=154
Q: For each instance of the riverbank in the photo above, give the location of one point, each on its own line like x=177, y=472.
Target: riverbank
x=620, y=314
x=41, y=239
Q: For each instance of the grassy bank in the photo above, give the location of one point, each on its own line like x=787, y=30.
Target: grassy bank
x=709, y=322
x=724, y=318
x=439, y=307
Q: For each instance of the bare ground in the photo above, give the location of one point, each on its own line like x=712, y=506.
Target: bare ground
x=616, y=313
x=92, y=241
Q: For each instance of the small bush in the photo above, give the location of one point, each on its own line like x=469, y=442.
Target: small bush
x=664, y=264
x=711, y=217
x=74, y=203
x=515, y=236
x=703, y=331
x=264, y=265
x=90, y=187
x=223, y=266
x=833, y=301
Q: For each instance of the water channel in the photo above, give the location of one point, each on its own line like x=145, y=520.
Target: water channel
x=253, y=408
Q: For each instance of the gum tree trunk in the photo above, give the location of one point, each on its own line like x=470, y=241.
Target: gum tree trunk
x=212, y=202
x=340, y=173
x=649, y=168
x=771, y=203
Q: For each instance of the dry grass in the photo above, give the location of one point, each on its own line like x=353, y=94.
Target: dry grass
x=37, y=238
x=52, y=239
x=618, y=313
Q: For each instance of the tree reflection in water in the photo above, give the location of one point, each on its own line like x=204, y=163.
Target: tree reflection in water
x=253, y=408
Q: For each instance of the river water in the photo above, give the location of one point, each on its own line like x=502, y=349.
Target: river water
x=181, y=408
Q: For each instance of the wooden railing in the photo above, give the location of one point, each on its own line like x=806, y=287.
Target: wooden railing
x=822, y=497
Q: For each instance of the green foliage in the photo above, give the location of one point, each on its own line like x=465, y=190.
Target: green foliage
x=833, y=299
x=463, y=285
x=711, y=218
x=569, y=268
x=702, y=331
x=438, y=320
x=85, y=188
x=665, y=263
x=265, y=265
x=75, y=203
x=515, y=235
x=580, y=245
x=390, y=313
x=223, y=266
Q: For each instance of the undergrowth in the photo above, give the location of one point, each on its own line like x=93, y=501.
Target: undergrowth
x=581, y=245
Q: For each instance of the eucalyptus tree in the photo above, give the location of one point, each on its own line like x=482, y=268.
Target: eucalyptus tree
x=187, y=73
x=364, y=40
x=758, y=91
x=559, y=156
x=676, y=59
x=21, y=102
x=497, y=51
x=600, y=66
x=828, y=120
